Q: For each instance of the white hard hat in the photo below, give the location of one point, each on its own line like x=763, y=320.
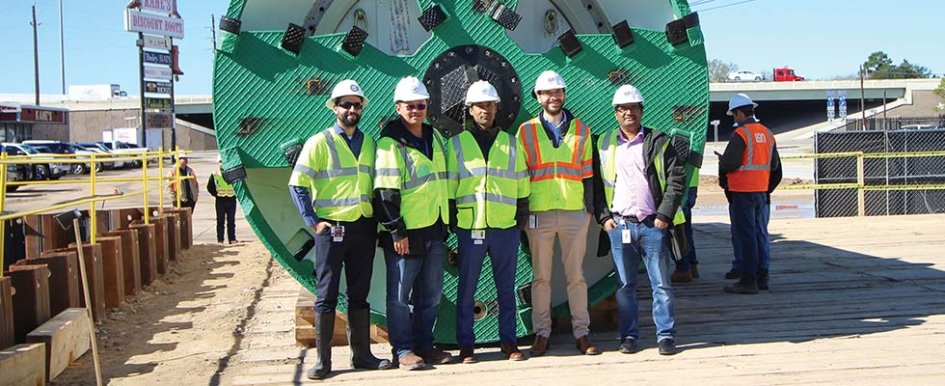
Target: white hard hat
x=219, y=158
x=627, y=94
x=739, y=100
x=548, y=80
x=345, y=88
x=182, y=155
x=410, y=89
x=481, y=91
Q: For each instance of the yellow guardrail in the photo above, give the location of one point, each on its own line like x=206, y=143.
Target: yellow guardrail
x=92, y=180
x=860, y=184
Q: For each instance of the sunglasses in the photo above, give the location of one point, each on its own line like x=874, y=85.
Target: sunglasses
x=347, y=105
x=416, y=107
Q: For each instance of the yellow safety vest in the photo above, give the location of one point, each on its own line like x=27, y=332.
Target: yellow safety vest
x=607, y=145
x=223, y=188
x=424, y=191
x=340, y=184
x=557, y=174
x=486, y=192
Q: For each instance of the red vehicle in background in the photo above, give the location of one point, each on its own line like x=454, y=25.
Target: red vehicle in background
x=785, y=74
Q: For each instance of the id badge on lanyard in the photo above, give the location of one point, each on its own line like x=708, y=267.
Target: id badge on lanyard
x=337, y=233
x=478, y=235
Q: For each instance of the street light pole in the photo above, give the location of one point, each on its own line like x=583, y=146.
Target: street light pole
x=35, y=55
x=62, y=49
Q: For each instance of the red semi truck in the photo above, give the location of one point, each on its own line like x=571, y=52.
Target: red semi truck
x=785, y=74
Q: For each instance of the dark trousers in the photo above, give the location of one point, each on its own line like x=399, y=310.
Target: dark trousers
x=685, y=262
x=355, y=252
x=501, y=245
x=749, y=223
x=226, y=212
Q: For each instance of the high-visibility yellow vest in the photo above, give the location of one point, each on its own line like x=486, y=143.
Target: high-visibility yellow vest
x=557, y=174
x=341, y=185
x=224, y=189
x=486, y=192
x=424, y=191
x=607, y=148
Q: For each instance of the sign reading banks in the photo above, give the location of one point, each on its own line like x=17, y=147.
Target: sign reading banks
x=137, y=21
x=157, y=87
x=157, y=58
x=159, y=6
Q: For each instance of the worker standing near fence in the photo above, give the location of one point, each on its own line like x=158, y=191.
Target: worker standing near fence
x=225, y=204
x=188, y=178
x=752, y=170
x=331, y=186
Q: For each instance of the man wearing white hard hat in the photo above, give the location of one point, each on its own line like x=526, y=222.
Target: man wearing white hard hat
x=331, y=186
x=489, y=190
x=644, y=180
x=413, y=193
x=558, y=153
x=225, y=203
x=186, y=197
x=749, y=170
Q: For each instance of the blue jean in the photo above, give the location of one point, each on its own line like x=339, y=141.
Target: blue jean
x=649, y=244
x=684, y=264
x=502, y=247
x=749, y=217
x=419, y=279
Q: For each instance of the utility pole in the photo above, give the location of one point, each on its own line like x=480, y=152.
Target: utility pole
x=62, y=49
x=862, y=96
x=35, y=55
x=213, y=32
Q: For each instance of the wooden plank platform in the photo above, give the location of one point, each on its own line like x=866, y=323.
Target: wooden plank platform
x=23, y=365
x=852, y=301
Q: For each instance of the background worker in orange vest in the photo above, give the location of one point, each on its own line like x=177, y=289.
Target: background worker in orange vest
x=558, y=153
x=752, y=169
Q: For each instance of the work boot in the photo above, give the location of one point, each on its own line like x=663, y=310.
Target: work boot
x=435, y=356
x=694, y=269
x=467, y=355
x=359, y=339
x=324, y=329
x=733, y=274
x=763, y=279
x=681, y=277
x=512, y=352
x=742, y=287
x=540, y=346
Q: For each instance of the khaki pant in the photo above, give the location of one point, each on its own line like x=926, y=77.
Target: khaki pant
x=571, y=228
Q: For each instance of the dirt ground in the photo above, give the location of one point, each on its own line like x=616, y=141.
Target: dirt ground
x=184, y=328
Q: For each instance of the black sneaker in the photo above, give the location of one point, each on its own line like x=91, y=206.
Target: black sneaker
x=627, y=346
x=741, y=287
x=668, y=346
x=733, y=274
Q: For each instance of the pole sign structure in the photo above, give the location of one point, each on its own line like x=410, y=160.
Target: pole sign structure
x=157, y=24
x=843, y=104
x=831, y=112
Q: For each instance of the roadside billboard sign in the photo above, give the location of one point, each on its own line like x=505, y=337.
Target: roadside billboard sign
x=137, y=21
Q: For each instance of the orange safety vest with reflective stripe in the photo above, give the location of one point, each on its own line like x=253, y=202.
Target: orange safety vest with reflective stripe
x=557, y=174
x=755, y=171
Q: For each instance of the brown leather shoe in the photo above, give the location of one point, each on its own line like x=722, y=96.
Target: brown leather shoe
x=435, y=357
x=694, y=268
x=540, y=346
x=585, y=346
x=409, y=361
x=466, y=355
x=512, y=352
x=681, y=277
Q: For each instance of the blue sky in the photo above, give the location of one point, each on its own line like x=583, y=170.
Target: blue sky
x=820, y=39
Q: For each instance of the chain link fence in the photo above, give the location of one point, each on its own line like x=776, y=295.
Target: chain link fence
x=896, y=123
x=879, y=172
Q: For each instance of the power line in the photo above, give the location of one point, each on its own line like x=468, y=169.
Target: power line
x=724, y=5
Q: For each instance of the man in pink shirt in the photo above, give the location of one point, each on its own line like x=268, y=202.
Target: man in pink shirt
x=636, y=163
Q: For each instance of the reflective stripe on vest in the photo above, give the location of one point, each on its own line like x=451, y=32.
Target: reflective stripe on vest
x=424, y=191
x=224, y=189
x=557, y=174
x=755, y=170
x=342, y=186
x=486, y=192
x=607, y=145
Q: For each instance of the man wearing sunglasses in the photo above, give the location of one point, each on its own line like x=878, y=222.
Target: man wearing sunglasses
x=412, y=190
x=489, y=197
x=558, y=153
x=336, y=167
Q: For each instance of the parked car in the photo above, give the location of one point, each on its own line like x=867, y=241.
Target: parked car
x=745, y=76
x=58, y=147
x=126, y=148
x=40, y=171
x=13, y=175
x=100, y=148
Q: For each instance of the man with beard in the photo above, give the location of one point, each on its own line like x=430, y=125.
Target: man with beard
x=336, y=166
x=558, y=154
x=489, y=197
x=412, y=190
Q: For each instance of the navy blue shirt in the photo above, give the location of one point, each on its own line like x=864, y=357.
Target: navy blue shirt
x=354, y=143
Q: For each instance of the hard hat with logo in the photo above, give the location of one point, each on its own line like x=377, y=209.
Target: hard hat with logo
x=481, y=91
x=739, y=100
x=410, y=89
x=345, y=88
x=627, y=94
x=548, y=80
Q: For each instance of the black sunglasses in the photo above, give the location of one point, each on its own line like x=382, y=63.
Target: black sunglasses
x=347, y=105
x=417, y=107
